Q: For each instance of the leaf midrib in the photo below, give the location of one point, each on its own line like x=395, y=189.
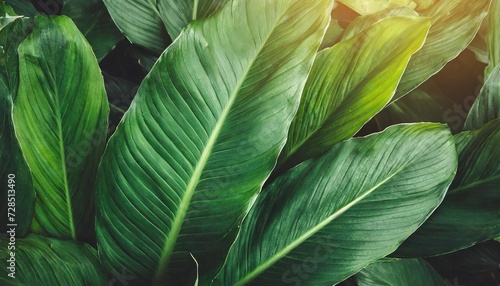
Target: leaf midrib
x=468, y=187
x=195, y=9
x=171, y=237
x=63, y=165
x=279, y=255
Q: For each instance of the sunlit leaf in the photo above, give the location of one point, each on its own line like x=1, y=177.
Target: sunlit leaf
x=350, y=83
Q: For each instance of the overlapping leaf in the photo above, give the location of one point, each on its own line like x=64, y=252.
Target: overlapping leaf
x=493, y=38
x=470, y=213
x=399, y=272
x=149, y=23
x=60, y=119
x=483, y=257
x=364, y=22
x=454, y=25
x=7, y=15
x=45, y=261
x=418, y=106
x=13, y=163
x=487, y=105
x=93, y=20
x=328, y=218
x=350, y=83
x=364, y=7
x=201, y=137
x=22, y=7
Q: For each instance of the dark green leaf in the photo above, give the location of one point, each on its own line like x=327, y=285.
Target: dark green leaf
x=60, y=119
x=10, y=153
x=93, y=20
x=45, y=261
x=149, y=23
x=470, y=212
x=487, y=105
x=328, y=218
x=481, y=258
x=23, y=7
x=399, y=272
x=417, y=106
x=201, y=137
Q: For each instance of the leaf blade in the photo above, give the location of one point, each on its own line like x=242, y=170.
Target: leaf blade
x=399, y=272
x=10, y=152
x=469, y=213
x=185, y=134
x=345, y=206
x=64, y=114
x=53, y=262
x=341, y=95
x=487, y=105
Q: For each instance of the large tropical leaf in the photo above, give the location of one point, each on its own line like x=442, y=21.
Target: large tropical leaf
x=399, y=272
x=60, y=118
x=93, y=20
x=454, y=25
x=350, y=83
x=13, y=163
x=202, y=135
x=364, y=22
x=328, y=218
x=149, y=23
x=493, y=38
x=45, y=261
x=470, y=212
x=364, y=7
x=487, y=105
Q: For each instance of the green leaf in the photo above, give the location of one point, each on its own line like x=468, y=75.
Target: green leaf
x=362, y=23
x=480, y=258
x=364, y=7
x=399, y=272
x=487, y=105
x=202, y=135
x=350, y=83
x=93, y=20
x=479, y=46
x=333, y=35
x=60, y=119
x=328, y=218
x=417, y=106
x=493, y=38
x=12, y=160
x=469, y=214
x=23, y=7
x=149, y=23
x=45, y=261
x=120, y=93
x=454, y=25
x=7, y=15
